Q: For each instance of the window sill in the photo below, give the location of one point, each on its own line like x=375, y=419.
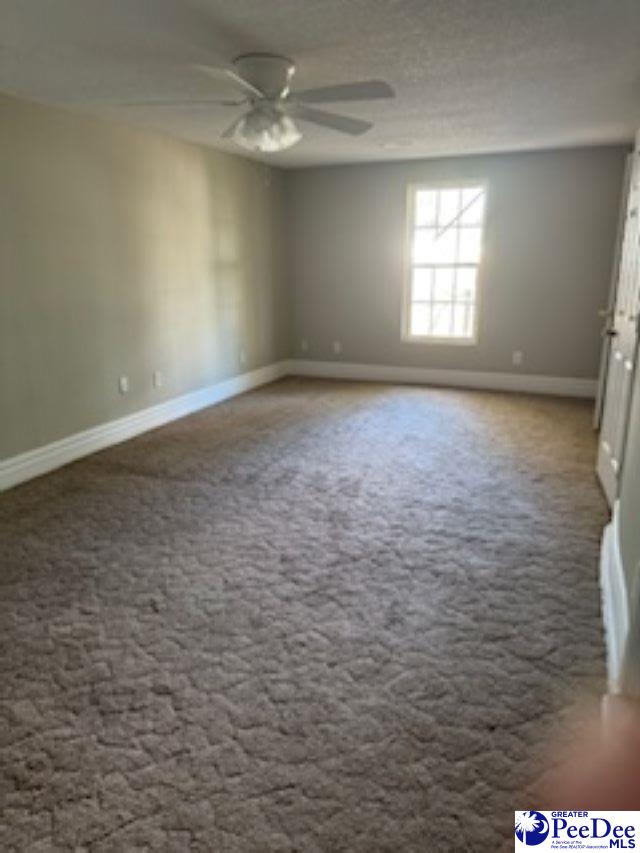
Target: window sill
x=450, y=342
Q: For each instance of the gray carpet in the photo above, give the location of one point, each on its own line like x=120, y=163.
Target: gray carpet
x=319, y=617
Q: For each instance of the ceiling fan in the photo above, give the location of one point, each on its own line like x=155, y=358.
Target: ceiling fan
x=269, y=124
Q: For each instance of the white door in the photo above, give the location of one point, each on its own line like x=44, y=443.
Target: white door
x=608, y=312
x=622, y=328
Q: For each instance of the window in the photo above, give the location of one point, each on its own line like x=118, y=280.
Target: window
x=445, y=248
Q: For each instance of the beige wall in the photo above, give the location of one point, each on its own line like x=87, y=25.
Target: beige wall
x=123, y=253
x=550, y=229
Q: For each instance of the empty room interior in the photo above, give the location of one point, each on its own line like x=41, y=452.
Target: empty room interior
x=319, y=425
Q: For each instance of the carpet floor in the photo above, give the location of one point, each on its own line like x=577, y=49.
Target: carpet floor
x=323, y=617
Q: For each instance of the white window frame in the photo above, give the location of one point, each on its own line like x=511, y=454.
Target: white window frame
x=412, y=189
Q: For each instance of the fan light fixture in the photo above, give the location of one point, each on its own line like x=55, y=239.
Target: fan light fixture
x=266, y=130
x=264, y=85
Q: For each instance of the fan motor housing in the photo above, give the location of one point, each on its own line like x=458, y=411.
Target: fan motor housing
x=270, y=73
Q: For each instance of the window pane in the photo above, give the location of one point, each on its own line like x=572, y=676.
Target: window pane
x=463, y=321
x=421, y=290
x=443, y=284
x=472, y=205
x=466, y=284
x=471, y=321
x=420, y=320
x=444, y=247
x=425, y=207
x=422, y=244
x=449, y=206
x=469, y=246
x=431, y=246
x=441, y=320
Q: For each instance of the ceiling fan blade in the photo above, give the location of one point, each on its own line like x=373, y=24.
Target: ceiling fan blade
x=226, y=74
x=366, y=90
x=343, y=124
x=231, y=129
x=215, y=102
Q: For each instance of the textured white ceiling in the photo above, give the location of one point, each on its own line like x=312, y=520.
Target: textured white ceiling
x=470, y=75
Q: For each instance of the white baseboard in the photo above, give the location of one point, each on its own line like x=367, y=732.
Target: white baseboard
x=32, y=464
x=520, y=382
x=26, y=466
x=615, y=604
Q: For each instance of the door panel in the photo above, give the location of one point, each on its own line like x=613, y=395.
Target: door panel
x=608, y=312
x=622, y=328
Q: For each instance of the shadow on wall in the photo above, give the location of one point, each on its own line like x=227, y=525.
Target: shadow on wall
x=248, y=249
x=128, y=253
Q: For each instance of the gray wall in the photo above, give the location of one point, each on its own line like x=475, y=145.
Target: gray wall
x=122, y=253
x=550, y=230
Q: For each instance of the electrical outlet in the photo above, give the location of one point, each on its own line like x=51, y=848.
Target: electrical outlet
x=158, y=379
x=243, y=355
x=517, y=357
x=304, y=345
x=337, y=347
x=123, y=384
